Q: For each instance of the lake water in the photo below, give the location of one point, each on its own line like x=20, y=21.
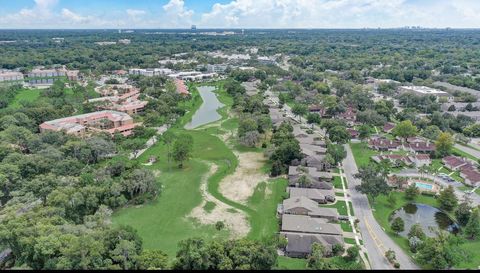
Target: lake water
x=208, y=110
x=427, y=216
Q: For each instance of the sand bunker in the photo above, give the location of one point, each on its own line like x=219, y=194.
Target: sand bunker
x=236, y=222
x=240, y=185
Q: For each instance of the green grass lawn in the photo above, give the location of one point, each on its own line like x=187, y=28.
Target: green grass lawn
x=472, y=247
x=350, y=241
x=437, y=163
x=362, y=153
x=264, y=201
x=27, y=95
x=457, y=152
x=337, y=182
x=341, y=207
x=346, y=226
x=163, y=223
x=287, y=263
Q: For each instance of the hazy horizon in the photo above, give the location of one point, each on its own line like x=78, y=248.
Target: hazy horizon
x=238, y=14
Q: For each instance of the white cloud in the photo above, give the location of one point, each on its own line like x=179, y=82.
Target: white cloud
x=135, y=12
x=258, y=14
x=177, y=14
x=342, y=13
x=70, y=15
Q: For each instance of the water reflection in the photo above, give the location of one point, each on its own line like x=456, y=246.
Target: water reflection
x=428, y=217
x=208, y=110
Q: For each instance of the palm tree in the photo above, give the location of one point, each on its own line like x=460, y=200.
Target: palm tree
x=385, y=167
x=423, y=170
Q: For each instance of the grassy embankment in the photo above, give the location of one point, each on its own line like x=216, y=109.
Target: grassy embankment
x=163, y=223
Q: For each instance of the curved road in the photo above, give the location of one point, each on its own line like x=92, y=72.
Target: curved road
x=375, y=240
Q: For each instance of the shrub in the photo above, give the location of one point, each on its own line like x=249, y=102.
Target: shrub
x=219, y=225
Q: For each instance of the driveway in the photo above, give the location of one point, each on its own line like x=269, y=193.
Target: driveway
x=375, y=240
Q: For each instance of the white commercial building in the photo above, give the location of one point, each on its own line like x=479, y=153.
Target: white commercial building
x=424, y=91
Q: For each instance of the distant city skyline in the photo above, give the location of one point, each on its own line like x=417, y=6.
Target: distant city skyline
x=88, y=14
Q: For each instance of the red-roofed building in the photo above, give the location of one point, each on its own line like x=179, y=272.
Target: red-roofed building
x=181, y=87
x=421, y=147
x=353, y=133
x=383, y=144
x=103, y=121
x=350, y=116
x=454, y=163
x=388, y=127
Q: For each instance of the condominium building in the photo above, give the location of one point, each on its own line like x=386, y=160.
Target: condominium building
x=127, y=102
x=10, y=76
x=216, y=68
x=104, y=121
x=150, y=72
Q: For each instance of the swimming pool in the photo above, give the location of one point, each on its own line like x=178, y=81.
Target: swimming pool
x=424, y=186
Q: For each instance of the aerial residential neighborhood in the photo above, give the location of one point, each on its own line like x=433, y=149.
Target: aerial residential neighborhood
x=239, y=135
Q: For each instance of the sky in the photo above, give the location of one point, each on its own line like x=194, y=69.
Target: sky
x=158, y=14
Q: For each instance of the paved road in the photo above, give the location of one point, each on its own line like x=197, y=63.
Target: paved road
x=376, y=241
x=468, y=150
x=150, y=142
x=288, y=112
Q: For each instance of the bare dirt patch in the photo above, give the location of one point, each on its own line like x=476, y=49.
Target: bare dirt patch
x=240, y=185
x=236, y=222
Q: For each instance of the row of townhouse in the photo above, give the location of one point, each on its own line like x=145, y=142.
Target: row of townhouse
x=467, y=168
x=414, y=145
x=303, y=221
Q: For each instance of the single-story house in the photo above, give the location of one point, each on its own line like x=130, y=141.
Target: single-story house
x=300, y=244
x=470, y=173
x=418, y=160
x=307, y=224
x=421, y=147
x=383, y=144
x=388, y=127
x=303, y=206
x=297, y=171
x=317, y=162
x=454, y=163
x=317, y=195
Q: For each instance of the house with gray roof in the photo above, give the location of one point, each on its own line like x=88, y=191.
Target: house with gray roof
x=297, y=171
x=300, y=245
x=307, y=224
x=317, y=195
x=303, y=206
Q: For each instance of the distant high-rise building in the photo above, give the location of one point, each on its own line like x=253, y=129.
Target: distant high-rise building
x=243, y=31
x=119, y=31
x=194, y=27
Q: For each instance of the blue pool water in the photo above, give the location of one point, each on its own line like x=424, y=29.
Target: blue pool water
x=424, y=186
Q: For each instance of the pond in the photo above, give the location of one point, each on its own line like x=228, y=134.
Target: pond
x=208, y=110
x=427, y=216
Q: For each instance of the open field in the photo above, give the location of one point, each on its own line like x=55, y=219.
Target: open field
x=27, y=95
x=196, y=191
x=362, y=153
